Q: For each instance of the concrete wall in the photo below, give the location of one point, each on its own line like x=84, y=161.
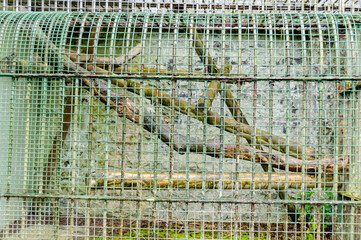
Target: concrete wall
x=287, y=121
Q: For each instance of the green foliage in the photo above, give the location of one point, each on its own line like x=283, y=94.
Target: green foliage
x=310, y=212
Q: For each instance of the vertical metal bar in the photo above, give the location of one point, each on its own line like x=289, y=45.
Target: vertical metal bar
x=221, y=137
x=112, y=43
x=140, y=158
x=353, y=49
x=223, y=41
x=354, y=141
x=338, y=85
x=129, y=40
x=91, y=161
x=106, y=160
x=74, y=162
x=81, y=6
x=62, y=93
x=10, y=156
x=320, y=116
x=141, y=114
x=220, y=181
x=254, y=112
x=270, y=115
x=320, y=141
x=28, y=5
x=171, y=153
x=304, y=132
x=99, y=21
x=11, y=130
x=304, y=117
x=26, y=155
x=356, y=44
x=189, y=100
x=287, y=58
x=237, y=225
x=93, y=7
x=204, y=167
x=157, y=120
x=42, y=147
x=287, y=154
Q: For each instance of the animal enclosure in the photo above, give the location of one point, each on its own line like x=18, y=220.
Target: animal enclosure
x=179, y=126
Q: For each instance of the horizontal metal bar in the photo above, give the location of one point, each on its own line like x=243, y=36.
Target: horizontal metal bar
x=227, y=79
x=181, y=200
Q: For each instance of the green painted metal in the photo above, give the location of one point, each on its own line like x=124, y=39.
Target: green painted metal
x=133, y=126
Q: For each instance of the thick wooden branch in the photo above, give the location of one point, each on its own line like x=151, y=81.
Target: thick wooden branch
x=58, y=141
x=181, y=143
x=85, y=58
x=215, y=86
x=262, y=137
x=211, y=180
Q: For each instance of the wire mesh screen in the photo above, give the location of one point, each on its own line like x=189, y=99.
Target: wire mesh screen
x=179, y=126
x=203, y=6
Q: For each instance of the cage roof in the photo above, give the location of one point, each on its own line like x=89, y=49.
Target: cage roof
x=233, y=46
x=336, y=6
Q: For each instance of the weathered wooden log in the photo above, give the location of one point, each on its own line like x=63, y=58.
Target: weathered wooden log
x=210, y=180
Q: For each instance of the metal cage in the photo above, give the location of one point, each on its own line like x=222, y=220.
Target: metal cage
x=203, y=6
x=179, y=126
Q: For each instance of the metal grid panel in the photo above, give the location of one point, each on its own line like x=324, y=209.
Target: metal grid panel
x=133, y=126
x=203, y=6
